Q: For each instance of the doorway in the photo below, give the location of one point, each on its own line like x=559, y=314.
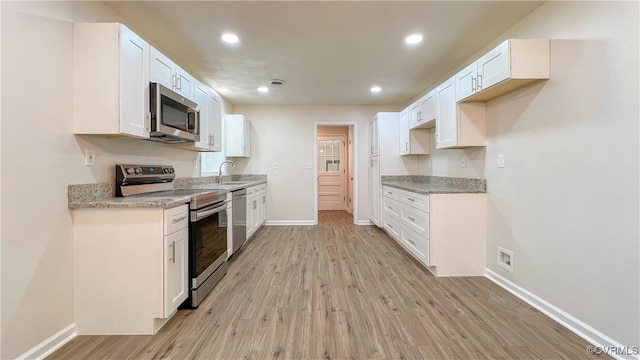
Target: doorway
x=335, y=164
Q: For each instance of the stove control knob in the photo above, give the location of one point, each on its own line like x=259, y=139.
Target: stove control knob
x=171, y=170
x=129, y=171
x=165, y=170
x=138, y=170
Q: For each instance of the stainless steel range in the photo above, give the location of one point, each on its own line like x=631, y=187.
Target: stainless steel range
x=208, y=225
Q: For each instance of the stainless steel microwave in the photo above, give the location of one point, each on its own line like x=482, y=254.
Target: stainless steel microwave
x=174, y=119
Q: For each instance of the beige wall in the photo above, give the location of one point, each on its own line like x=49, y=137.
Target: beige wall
x=285, y=134
x=39, y=158
x=566, y=202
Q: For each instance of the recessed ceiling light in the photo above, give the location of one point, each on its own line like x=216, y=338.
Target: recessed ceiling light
x=376, y=89
x=263, y=89
x=413, y=39
x=224, y=89
x=230, y=38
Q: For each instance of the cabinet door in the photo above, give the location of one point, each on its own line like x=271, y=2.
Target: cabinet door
x=176, y=258
x=246, y=137
x=161, y=70
x=263, y=208
x=374, y=190
x=414, y=115
x=250, y=223
x=134, y=84
x=428, y=108
x=202, y=99
x=373, y=137
x=446, y=119
x=466, y=82
x=494, y=67
x=215, y=122
x=255, y=213
x=185, y=84
x=404, y=132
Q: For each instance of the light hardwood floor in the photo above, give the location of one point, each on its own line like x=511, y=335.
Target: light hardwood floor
x=341, y=291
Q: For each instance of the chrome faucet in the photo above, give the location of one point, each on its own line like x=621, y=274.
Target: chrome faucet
x=220, y=169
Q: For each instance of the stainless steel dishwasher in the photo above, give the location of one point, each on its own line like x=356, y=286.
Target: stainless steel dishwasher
x=239, y=218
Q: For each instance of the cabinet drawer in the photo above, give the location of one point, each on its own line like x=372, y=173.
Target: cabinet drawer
x=391, y=225
x=390, y=192
x=176, y=219
x=415, y=219
x=252, y=191
x=415, y=243
x=415, y=200
x=391, y=206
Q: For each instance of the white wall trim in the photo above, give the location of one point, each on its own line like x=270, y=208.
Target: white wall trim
x=565, y=319
x=53, y=343
x=364, y=222
x=290, y=222
x=356, y=204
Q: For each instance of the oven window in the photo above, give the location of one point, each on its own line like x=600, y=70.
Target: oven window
x=208, y=240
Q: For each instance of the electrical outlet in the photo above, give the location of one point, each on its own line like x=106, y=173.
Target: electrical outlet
x=463, y=162
x=500, y=160
x=89, y=157
x=505, y=259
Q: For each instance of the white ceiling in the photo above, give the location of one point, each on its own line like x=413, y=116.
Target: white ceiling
x=329, y=53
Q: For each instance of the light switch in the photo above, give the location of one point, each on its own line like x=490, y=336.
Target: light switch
x=500, y=160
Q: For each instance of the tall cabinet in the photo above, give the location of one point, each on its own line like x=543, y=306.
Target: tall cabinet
x=385, y=159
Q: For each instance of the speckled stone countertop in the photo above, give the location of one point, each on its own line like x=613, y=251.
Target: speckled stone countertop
x=435, y=184
x=101, y=195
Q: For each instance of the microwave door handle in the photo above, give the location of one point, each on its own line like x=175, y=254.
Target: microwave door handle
x=196, y=120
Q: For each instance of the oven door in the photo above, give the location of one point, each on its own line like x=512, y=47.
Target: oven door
x=207, y=242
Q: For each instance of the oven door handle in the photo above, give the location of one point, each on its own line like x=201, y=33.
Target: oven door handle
x=201, y=214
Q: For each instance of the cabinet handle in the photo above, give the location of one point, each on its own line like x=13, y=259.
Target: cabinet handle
x=390, y=226
x=264, y=200
x=175, y=220
x=479, y=82
x=406, y=146
x=213, y=139
x=410, y=218
x=173, y=252
x=389, y=192
x=147, y=122
x=411, y=199
x=179, y=83
x=255, y=204
x=174, y=81
x=473, y=84
x=412, y=243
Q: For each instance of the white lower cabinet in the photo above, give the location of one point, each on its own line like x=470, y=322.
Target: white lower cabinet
x=256, y=208
x=130, y=268
x=445, y=232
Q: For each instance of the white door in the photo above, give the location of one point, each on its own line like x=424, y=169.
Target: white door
x=466, y=84
x=176, y=267
x=332, y=172
x=350, y=173
x=134, y=84
x=374, y=190
x=162, y=69
x=493, y=67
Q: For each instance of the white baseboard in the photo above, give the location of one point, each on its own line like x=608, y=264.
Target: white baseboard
x=364, y=222
x=575, y=325
x=53, y=343
x=289, y=222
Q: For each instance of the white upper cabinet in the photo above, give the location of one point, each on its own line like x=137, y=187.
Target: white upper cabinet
x=111, y=81
x=238, y=135
x=166, y=72
x=412, y=142
x=210, y=120
x=458, y=125
x=215, y=122
x=512, y=64
x=422, y=113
